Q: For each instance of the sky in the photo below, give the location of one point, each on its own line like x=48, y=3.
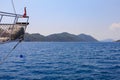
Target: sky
x=98, y=18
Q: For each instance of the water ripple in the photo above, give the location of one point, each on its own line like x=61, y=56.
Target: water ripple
x=61, y=61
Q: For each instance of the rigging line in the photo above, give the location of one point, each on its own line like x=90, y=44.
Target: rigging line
x=10, y=52
x=13, y=6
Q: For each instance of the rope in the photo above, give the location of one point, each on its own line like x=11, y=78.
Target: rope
x=13, y=6
x=20, y=39
x=10, y=52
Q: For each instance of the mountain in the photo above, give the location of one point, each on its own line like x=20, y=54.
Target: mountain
x=87, y=38
x=34, y=37
x=63, y=37
x=60, y=37
x=118, y=41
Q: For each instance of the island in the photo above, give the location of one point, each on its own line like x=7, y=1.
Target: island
x=60, y=37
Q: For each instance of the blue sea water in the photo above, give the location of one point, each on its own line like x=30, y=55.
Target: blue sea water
x=60, y=61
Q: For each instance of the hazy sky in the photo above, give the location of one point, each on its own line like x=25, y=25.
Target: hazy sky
x=99, y=18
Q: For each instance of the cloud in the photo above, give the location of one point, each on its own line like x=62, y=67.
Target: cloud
x=115, y=26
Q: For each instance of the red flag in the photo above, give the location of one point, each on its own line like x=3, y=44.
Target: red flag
x=25, y=12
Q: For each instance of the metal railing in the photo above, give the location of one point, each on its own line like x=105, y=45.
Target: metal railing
x=8, y=28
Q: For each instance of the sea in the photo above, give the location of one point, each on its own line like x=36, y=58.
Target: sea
x=60, y=61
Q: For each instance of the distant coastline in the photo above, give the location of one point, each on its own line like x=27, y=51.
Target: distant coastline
x=60, y=37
